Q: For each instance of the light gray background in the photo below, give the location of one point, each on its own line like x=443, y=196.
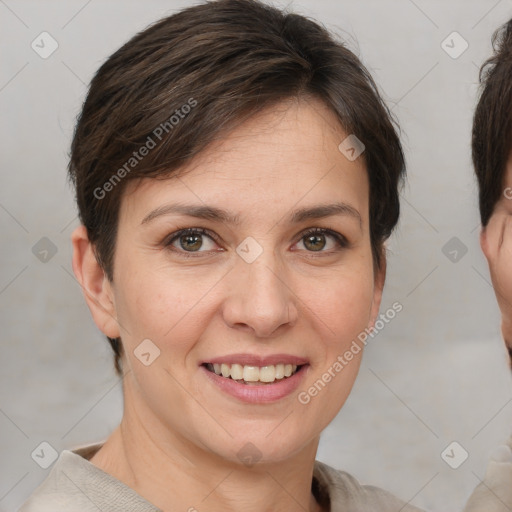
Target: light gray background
x=437, y=373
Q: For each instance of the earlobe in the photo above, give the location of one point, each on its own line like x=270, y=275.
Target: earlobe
x=95, y=285
x=483, y=242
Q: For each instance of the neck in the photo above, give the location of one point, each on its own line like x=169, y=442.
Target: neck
x=172, y=473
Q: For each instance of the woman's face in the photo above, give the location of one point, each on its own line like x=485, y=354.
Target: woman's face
x=251, y=285
x=496, y=242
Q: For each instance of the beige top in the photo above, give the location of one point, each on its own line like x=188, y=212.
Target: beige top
x=494, y=494
x=76, y=485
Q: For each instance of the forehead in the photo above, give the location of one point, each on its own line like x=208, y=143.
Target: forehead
x=286, y=155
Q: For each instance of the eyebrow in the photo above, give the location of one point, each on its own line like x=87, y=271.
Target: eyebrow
x=219, y=215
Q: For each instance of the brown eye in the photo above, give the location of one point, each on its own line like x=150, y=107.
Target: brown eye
x=191, y=240
x=323, y=240
x=314, y=242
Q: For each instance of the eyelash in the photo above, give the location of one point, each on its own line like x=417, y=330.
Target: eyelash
x=341, y=241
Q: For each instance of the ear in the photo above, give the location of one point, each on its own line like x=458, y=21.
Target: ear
x=484, y=242
x=379, y=279
x=95, y=285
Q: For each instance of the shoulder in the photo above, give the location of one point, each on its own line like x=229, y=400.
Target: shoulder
x=346, y=493
x=58, y=492
x=494, y=494
x=74, y=483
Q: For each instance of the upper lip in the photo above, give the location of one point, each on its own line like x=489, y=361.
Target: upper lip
x=255, y=360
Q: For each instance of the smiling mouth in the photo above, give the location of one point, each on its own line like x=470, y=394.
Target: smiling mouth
x=254, y=375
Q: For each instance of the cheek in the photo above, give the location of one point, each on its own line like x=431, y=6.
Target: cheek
x=166, y=306
x=343, y=303
x=343, y=308
x=161, y=306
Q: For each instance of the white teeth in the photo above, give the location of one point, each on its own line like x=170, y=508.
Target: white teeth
x=237, y=371
x=267, y=373
x=225, y=369
x=251, y=374
x=248, y=373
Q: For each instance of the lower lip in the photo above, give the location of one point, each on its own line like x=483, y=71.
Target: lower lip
x=258, y=393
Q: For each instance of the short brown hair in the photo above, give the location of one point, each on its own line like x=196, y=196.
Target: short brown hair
x=233, y=58
x=492, y=122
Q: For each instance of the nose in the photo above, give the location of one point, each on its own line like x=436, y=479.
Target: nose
x=259, y=299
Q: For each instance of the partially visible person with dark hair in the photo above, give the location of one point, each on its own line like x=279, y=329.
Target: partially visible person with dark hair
x=492, y=160
x=237, y=174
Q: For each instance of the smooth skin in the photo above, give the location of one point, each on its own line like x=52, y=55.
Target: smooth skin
x=495, y=493
x=309, y=299
x=496, y=243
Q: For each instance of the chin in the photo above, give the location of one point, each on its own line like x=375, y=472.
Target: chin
x=260, y=449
